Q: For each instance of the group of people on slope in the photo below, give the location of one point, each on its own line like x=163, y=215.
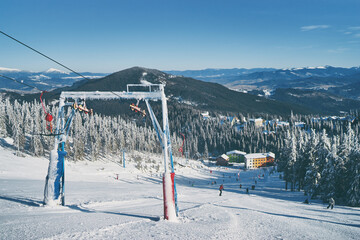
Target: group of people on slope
x=221, y=188
x=331, y=200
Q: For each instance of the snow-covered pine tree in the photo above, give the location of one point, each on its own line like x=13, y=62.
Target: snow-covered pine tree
x=302, y=158
x=3, y=130
x=283, y=162
x=291, y=166
x=322, y=153
x=353, y=177
x=36, y=145
x=327, y=183
x=206, y=151
x=341, y=164
x=79, y=144
x=312, y=172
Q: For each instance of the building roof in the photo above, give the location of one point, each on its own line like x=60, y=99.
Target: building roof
x=224, y=156
x=236, y=152
x=255, y=155
x=259, y=155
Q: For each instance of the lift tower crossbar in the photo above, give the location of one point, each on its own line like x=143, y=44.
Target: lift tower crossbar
x=54, y=192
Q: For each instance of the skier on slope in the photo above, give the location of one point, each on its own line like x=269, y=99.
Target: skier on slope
x=331, y=203
x=221, y=188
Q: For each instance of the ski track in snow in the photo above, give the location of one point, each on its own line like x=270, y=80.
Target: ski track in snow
x=100, y=207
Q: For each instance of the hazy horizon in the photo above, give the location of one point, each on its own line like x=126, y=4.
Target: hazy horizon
x=108, y=36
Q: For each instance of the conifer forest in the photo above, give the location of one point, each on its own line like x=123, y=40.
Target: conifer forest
x=322, y=158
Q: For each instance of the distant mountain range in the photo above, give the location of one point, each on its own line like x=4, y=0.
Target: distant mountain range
x=46, y=80
x=314, y=78
x=182, y=91
x=218, y=75
x=324, y=90
x=306, y=78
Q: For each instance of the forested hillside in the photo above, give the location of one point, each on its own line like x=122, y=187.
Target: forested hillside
x=183, y=90
x=322, y=157
x=325, y=164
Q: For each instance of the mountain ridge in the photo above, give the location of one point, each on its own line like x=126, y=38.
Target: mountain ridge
x=180, y=91
x=47, y=80
x=183, y=90
x=205, y=95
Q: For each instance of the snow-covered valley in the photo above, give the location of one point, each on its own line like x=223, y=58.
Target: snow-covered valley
x=106, y=201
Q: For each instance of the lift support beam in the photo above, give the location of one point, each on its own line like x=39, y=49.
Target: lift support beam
x=55, y=181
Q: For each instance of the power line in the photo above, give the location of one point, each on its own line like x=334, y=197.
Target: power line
x=7, y=35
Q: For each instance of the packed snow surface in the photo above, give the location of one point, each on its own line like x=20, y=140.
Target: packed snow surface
x=106, y=201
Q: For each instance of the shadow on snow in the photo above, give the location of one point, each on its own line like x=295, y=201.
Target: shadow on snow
x=76, y=207
x=25, y=201
x=291, y=216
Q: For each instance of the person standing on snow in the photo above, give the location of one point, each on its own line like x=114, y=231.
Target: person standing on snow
x=331, y=203
x=221, y=188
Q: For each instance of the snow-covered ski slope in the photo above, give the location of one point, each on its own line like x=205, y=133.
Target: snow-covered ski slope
x=99, y=206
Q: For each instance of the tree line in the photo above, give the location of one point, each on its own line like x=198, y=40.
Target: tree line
x=323, y=164
x=90, y=137
x=322, y=158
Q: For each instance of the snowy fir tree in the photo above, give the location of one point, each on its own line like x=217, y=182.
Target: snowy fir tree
x=3, y=132
x=353, y=178
x=322, y=159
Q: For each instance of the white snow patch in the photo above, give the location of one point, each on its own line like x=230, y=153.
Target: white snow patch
x=9, y=140
x=39, y=77
x=143, y=81
x=54, y=70
x=267, y=92
x=42, y=83
x=87, y=76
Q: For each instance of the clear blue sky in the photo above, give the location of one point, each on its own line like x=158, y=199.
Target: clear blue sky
x=111, y=35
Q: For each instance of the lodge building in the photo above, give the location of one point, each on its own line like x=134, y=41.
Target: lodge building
x=256, y=160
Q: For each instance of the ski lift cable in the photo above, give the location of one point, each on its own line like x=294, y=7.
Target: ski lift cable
x=21, y=82
x=51, y=59
x=43, y=55
x=48, y=116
